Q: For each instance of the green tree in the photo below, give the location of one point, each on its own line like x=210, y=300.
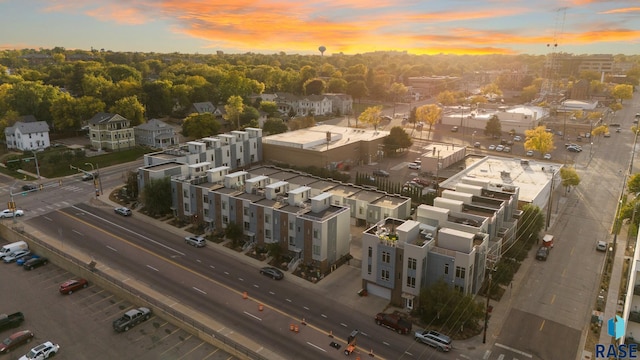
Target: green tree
x=397, y=91
x=235, y=233
x=132, y=185
x=233, y=110
x=529, y=93
x=129, y=108
x=569, y=177
x=33, y=98
x=493, y=127
x=539, y=139
x=371, y=115
x=397, y=141
x=157, y=98
x=123, y=72
x=336, y=85
x=622, y=92
x=270, y=107
x=313, y=86
x=429, y=114
x=69, y=113
x=156, y=196
x=531, y=223
x=357, y=89
x=441, y=304
x=274, y=126
x=200, y=125
x=633, y=184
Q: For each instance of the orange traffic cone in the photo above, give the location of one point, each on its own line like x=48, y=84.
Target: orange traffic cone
x=245, y=295
x=260, y=307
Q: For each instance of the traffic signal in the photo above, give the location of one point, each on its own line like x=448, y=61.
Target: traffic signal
x=97, y=192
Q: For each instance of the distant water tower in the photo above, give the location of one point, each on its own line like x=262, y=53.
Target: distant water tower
x=322, y=50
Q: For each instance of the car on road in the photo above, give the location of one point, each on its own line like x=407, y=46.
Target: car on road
x=29, y=187
x=454, y=129
x=601, y=246
x=15, y=256
x=124, y=211
x=574, y=149
x=491, y=147
x=517, y=138
x=499, y=148
x=530, y=153
x=6, y=213
x=69, y=286
x=42, y=351
x=476, y=144
x=542, y=253
x=381, y=173
x=414, y=166
x=434, y=339
x=547, y=156
x=272, y=272
x=89, y=176
x=15, y=340
x=35, y=262
x=196, y=241
x=506, y=149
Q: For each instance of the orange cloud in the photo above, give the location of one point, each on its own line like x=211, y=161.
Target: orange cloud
x=622, y=10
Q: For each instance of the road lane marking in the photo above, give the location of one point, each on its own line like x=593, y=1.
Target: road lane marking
x=112, y=249
x=211, y=266
x=323, y=315
x=343, y=324
x=226, y=273
x=256, y=286
x=501, y=357
x=542, y=325
x=553, y=299
x=306, y=308
x=288, y=300
x=564, y=272
x=487, y=354
x=386, y=343
x=573, y=248
x=78, y=232
x=271, y=293
x=253, y=316
x=198, y=290
x=513, y=350
x=316, y=346
x=152, y=268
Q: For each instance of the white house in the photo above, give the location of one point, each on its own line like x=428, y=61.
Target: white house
x=28, y=134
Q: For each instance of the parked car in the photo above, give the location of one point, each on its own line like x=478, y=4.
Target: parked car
x=454, y=129
x=124, y=211
x=24, y=259
x=15, y=256
x=435, y=339
x=547, y=156
x=69, y=286
x=499, y=148
x=517, y=138
x=506, y=149
x=574, y=149
x=381, y=173
x=491, y=147
x=607, y=134
x=15, y=340
x=272, y=272
x=414, y=166
x=530, y=153
x=601, y=246
x=476, y=144
x=35, y=262
x=6, y=213
x=542, y=253
x=196, y=241
x=42, y=351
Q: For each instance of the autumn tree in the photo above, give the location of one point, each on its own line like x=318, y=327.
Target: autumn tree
x=429, y=114
x=357, y=89
x=233, y=110
x=270, y=107
x=569, y=177
x=447, y=98
x=491, y=90
x=200, y=125
x=622, y=92
x=539, y=139
x=600, y=130
x=397, y=91
x=371, y=115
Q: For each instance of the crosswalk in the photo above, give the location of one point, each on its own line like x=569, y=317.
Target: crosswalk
x=503, y=352
x=6, y=189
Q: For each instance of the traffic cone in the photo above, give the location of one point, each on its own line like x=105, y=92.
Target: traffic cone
x=296, y=328
x=260, y=307
x=245, y=295
x=292, y=327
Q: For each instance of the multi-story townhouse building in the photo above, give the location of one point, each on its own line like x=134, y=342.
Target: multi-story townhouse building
x=311, y=228
x=156, y=134
x=27, y=134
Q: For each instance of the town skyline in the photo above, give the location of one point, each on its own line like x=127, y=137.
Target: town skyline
x=473, y=28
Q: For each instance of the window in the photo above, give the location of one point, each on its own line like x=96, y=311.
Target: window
x=246, y=225
x=225, y=220
x=460, y=272
x=412, y=264
x=185, y=193
x=245, y=211
x=315, y=233
x=267, y=233
x=292, y=241
x=446, y=269
x=316, y=250
x=370, y=251
x=369, y=269
x=267, y=219
x=186, y=207
x=291, y=226
x=386, y=257
x=206, y=212
x=411, y=282
x=384, y=275
x=205, y=199
x=224, y=205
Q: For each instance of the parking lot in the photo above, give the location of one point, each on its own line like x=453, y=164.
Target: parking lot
x=81, y=322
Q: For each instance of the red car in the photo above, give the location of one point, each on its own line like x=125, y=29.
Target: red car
x=68, y=287
x=15, y=340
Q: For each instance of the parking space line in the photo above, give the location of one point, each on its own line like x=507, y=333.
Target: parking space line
x=178, y=344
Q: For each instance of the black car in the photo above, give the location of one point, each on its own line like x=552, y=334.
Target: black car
x=35, y=262
x=272, y=272
x=29, y=187
x=381, y=173
x=542, y=253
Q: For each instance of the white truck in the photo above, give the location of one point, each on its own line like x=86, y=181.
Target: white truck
x=13, y=247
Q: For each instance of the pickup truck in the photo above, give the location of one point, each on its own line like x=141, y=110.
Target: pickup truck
x=394, y=322
x=131, y=318
x=11, y=320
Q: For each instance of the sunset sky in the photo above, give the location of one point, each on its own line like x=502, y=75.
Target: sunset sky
x=348, y=26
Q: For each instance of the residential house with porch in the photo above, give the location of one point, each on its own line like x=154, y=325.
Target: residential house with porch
x=155, y=134
x=27, y=134
x=111, y=132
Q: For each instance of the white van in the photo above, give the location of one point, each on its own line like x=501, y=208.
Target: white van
x=13, y=247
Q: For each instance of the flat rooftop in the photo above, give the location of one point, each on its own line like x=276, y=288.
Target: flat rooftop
x=315, y=138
